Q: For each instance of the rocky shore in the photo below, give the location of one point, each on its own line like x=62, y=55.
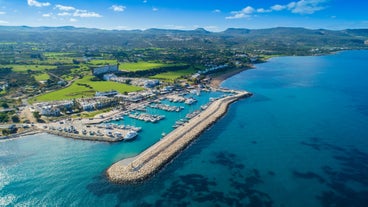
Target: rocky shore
x=22, y=134
x=155, y=157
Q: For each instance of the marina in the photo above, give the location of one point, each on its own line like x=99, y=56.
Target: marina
x=147, y=117
x=120, y=125
x=160, y=153
x=166, y=107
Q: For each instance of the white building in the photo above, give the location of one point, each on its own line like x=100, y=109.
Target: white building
x=105, y=69
x=109, y=76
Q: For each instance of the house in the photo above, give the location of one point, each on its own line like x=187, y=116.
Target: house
x=132, y=97
x=62, y=83
x=214, y=68
x=151, y=83
x=91, y=104
x=196, y=75
x=107, y=93
x=109, y=76
x=50, y=111
x=3, y=86
x=87, y=106
x=105, y=69
x=54, y=108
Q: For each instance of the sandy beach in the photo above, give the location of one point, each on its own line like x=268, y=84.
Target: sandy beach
x=216, y=79
x=155, y=157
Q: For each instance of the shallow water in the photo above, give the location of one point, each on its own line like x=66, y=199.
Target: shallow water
x=301, y=140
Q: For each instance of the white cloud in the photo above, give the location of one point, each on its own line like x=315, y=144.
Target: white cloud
x=64, y=8
x=216, y=11
x=64, y=14
x=298, y=7
x=85, y=14
x=278, y=7
x=118, y=8
x=145, y=1
x=301, y=6
x=37, y=4
x=72, y=11
x=262, y=10
x=73, y=20
x=2, y=13
x=306, y=6
x=248, y=10
x=238, y=16
x=3, y=22
x=244, y=13
x=154, y=9
x=47, y=15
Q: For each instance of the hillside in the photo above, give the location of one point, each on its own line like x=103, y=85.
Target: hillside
x=288, y=41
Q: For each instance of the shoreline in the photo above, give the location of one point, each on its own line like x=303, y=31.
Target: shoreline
x=20, y=135
x=217, y=79
x=143, y=166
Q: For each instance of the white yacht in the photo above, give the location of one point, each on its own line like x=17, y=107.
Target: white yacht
x=130, y=135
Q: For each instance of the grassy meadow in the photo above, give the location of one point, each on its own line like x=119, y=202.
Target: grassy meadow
x=140, y=66
x=24, y=68
x=85, y=88
x=102, y=62
x=173, y=75
x=42, y=77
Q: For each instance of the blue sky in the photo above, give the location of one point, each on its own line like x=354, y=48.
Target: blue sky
x=213, y=15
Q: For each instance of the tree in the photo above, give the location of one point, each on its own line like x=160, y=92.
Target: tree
x=4, y=117
x=4, y=105
x=128, y=81
x=36, y=115
x=15, y=119
x=75, y=61
x=5, y=132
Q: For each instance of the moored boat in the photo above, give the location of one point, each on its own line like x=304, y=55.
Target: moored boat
x=130, y=135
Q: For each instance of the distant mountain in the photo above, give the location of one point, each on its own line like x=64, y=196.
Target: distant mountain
x=285, y=39
x=236, y=31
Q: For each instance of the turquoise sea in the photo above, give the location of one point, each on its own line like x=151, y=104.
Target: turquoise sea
x=300, y=140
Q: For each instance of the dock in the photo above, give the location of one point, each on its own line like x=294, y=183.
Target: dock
x=155, y=157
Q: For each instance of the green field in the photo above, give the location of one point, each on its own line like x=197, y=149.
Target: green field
x=139, y=66
x=85, y=88
x=103, y=62
x=59, y=57
x=42, y=77
x=171, y=76
x=58, y=54
x=24, y=68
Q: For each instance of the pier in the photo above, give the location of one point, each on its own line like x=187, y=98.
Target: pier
x=155, y=157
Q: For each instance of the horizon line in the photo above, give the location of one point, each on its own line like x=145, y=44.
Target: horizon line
x=177, y=29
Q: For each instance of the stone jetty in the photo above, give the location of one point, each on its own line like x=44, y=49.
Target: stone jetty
x=155, y=157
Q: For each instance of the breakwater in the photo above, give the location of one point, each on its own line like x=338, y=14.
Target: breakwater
x=156, y=156
x=84, y=137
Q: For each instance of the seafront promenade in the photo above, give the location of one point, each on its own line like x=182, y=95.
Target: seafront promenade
x=156, y=156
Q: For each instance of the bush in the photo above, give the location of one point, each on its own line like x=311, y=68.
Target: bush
x=4, y=105
x=15, y=119
x=4, y=117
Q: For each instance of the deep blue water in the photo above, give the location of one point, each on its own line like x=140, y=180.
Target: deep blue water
x=301, y=140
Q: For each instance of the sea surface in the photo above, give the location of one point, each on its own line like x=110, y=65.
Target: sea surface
x=300, y=140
